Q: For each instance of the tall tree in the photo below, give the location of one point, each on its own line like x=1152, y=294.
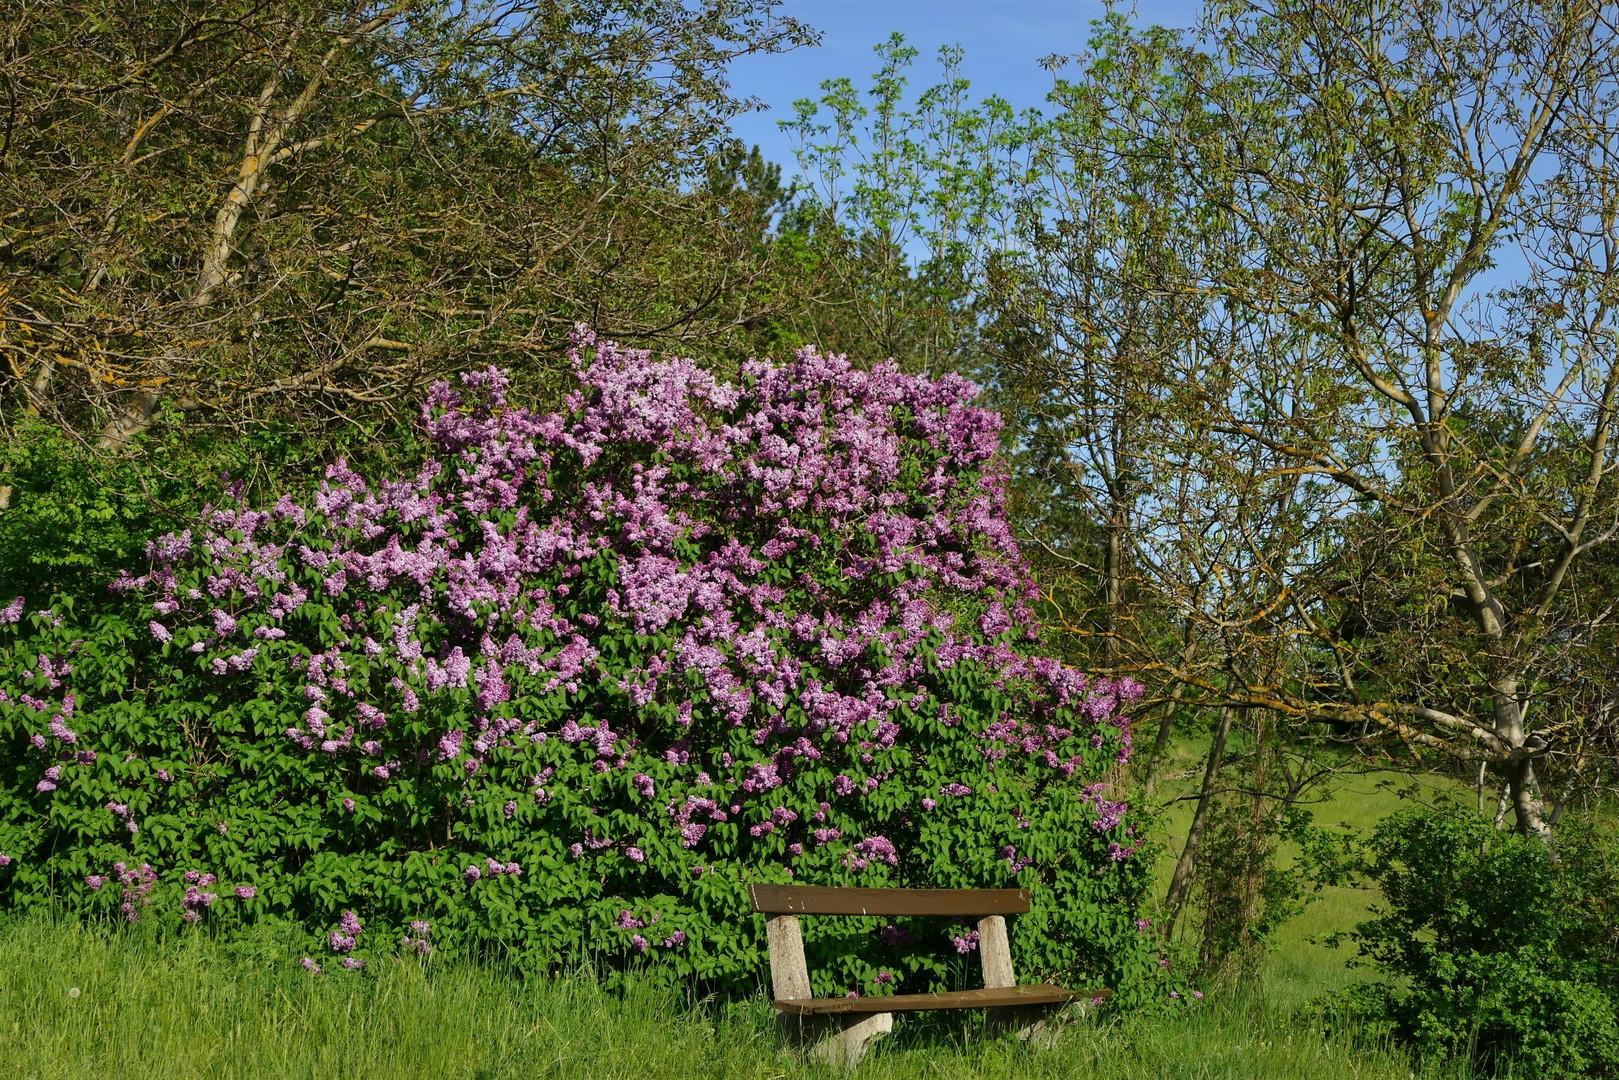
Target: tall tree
x=301, y=211
x=1383, y=423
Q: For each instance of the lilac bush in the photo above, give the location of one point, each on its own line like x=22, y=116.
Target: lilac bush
x=582, y=678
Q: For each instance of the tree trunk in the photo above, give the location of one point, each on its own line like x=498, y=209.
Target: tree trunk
x=1166, y=726
x=1527, y=805
x=1160, y=743
x=1182, y=880
x=1113, y=571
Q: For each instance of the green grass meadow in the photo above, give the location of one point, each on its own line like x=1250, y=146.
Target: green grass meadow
x=115, y=1003
x=106, y=1003
x=1300, y=967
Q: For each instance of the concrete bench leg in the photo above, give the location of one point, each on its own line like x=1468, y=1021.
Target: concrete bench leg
x=840, y=1041
x=1037, y=1024
x=1031, y=1023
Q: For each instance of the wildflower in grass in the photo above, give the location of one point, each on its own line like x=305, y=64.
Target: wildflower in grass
x=638, y=943
x=95, y=881
x=884, y=978
x=965, y=943
x=310, y=966
x=353, y=963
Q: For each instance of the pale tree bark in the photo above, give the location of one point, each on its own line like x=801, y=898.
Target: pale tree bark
x=1180, y=883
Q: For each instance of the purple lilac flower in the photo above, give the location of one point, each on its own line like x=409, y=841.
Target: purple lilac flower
x=815, y=428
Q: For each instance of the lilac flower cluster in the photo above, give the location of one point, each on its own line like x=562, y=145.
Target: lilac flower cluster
x=421, y=944
x=682, y=629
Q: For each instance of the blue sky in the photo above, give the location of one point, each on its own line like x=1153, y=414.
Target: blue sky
x=1003, y=41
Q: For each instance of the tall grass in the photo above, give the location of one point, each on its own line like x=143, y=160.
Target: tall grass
x=112, y=1002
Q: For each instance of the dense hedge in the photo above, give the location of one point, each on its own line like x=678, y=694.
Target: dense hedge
x=579, y=680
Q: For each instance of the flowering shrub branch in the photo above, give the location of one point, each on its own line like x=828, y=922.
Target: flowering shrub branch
x=583, y=677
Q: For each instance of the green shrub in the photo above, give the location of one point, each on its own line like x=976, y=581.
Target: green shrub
x=577, y=680
x=1505, y=954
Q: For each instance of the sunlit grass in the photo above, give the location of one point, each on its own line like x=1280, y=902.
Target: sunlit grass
x=199, y=1009
x=116, y=1002
x=1300, y=966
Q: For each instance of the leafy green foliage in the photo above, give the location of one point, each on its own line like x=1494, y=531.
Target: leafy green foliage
x=1502, y=953
x=580, y=679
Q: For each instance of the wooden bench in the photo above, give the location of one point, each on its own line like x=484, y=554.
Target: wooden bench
x=837, y=1030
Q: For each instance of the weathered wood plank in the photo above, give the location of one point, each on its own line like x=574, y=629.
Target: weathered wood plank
x=825, y=900
x=999, y=997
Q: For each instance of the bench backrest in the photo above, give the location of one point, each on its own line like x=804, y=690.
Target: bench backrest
x=783, y=904
x=825, y=900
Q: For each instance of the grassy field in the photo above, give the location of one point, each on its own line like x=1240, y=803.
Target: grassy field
x=1300, y=968
x=82, y=1002
x=112, y=1003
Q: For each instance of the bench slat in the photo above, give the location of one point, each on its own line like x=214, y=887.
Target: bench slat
x=1038, y=994
x=826, y=900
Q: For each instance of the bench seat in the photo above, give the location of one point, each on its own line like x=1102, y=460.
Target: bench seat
x=836, y=1030
x=1036, y=994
